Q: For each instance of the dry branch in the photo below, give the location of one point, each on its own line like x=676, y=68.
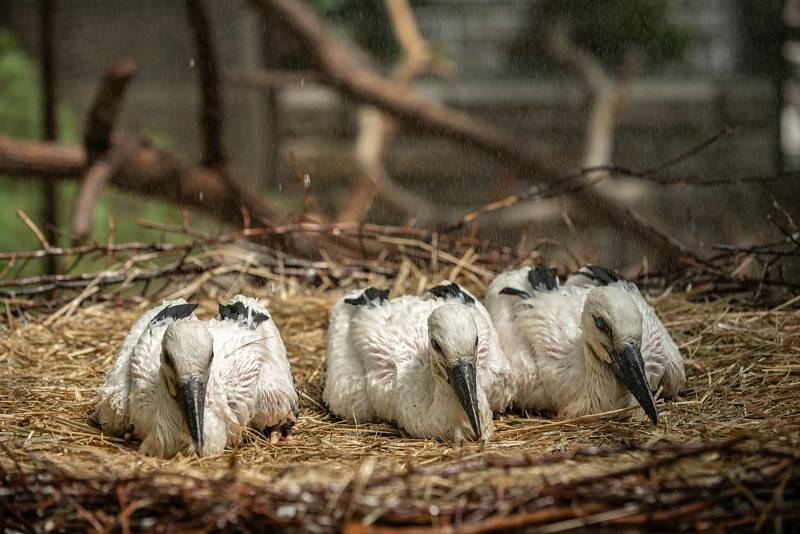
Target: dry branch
x=105, y=108
x=49, y=111
x=92, y=184
x=144, y=170
x=356, y=80
x=607, y=99
x=214, y=154
x=376, y=130
x=97, y=141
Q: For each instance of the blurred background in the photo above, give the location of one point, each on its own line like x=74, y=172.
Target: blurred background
x=629, y=82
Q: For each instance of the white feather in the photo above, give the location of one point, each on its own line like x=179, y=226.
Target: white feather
x=249, y=384
x=543, y=338
x=379, y=367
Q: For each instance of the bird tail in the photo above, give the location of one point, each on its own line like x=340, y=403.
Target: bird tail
x=543, y=278
x=595, y=275
x=248, y=311
x=368, y=296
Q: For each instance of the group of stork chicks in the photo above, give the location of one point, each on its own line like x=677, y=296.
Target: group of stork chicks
x=439, y=365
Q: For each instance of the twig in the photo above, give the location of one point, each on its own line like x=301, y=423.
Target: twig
x=35, y=229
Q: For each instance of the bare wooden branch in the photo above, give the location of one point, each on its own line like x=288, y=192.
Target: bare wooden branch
x=376, y=131
x=92, y=184
x=211, y=116
x=414, y=111
x=97, y=141
x=145, y=170
x=607, y=99
x=49, y=121
x=106, y=107
x=33, y=228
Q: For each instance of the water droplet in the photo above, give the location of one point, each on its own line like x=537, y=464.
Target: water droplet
x=191, y=63
x=200, y=195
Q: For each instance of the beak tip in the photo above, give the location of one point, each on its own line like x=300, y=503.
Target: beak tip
x=654, y=418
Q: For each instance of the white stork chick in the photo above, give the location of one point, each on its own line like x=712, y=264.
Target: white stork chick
x=591, y=346
x=433, y=365
x=185, y=385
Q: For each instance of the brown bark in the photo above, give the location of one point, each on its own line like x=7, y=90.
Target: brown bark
x=360, y=82
x=144, y=170
x=211, y=119
x=106, y=107
x=49, y=125
x=607, y=99
x=376, y=131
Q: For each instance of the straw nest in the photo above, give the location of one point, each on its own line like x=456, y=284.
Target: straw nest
x=724, y=456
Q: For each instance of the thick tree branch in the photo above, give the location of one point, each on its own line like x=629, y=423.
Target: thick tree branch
x=49, y=125
x=144, y=170
x=607, y=99
x=106, y=107
x=376, y=130
x=97, y=141
x=93, y=182
x=361, y=83
x=214, y=154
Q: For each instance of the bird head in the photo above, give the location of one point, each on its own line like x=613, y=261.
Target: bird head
x=612, y=327
x=453, y=339
x=187, y=350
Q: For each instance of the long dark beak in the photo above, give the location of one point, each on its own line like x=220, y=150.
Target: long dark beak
x=463, y=381
x=629, y=368
x=191, y=396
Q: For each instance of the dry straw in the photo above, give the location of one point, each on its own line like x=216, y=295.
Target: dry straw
x=724, y=456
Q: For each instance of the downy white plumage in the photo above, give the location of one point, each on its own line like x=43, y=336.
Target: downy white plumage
x=590, y=346
x=432, y=364
x=186, y=385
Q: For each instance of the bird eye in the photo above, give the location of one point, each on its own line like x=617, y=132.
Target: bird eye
x=602, y=325
x=435, y=345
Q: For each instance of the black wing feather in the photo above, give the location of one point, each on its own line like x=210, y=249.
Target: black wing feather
x=238, y=309
x=543, y=278
x=513, y=291
x=451, y=291
x=370, y=295
x=176, y=311
x=602, y=275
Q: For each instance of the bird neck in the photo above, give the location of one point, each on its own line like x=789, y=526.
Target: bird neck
x=600, y=387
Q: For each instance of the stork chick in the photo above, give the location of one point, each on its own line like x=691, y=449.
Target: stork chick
x=432, y=365
x=590, y=346
x=185, y=385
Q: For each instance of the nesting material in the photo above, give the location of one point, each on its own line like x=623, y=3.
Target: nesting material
x=725, y=455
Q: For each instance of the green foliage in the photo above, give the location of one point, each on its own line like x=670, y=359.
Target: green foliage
x=19, y=110
x=610, y=29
